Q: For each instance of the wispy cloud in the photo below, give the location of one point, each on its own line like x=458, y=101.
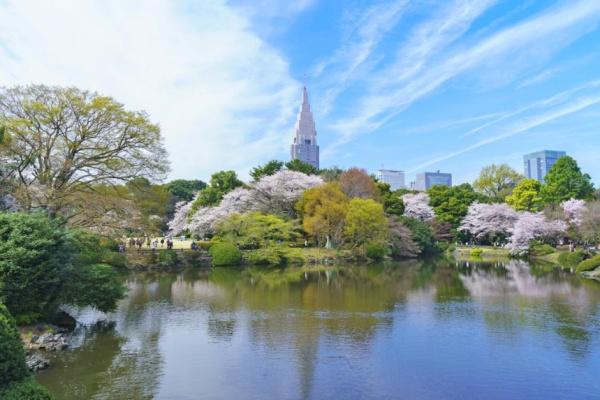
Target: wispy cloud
x=427, y=62
x=220, y=93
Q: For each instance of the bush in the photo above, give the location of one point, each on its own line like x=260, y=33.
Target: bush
x=541, y=250
x=451, y=248
x=205, y=245
x=12, y=355
x=224, y=254
x=589, y=265
x=422, y=234
x=167, y=258
x=27, y=389
x=96, y=285
x=375, y=251
x=571, y=260
x=273, y=256
x=476, y=252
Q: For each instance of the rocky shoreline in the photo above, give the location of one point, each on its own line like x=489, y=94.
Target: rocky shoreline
x=40, y=340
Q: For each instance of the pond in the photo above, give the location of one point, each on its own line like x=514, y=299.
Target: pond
x=415, y=330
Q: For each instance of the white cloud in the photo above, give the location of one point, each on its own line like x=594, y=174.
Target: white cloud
x=223, y=97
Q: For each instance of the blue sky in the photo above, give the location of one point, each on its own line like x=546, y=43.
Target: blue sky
x=412, y=85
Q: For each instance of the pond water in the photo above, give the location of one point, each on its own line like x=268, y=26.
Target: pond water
x=411, y=330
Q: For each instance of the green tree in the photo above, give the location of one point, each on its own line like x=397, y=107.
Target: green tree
x=323, y=211
x=269, y=168
x=565, y=181
x=39, y=270
x=254, y=229
x=185, y=190
x=451, y=203
x=331, y=174
x=526, y=196
x=422, y=234
x=65, y=141
x=402, y=244
x=154, y=203
x=392, y=201
x=365, y=223
x=497, y=181
x=301, y=166
x=221, y=183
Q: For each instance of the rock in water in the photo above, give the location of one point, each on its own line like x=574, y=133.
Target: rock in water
x=35, y=362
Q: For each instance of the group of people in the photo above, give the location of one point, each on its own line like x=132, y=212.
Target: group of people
x=152, y=244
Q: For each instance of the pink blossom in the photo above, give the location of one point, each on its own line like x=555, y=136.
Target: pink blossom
x=488, y=220
x=574, y=210
x=417, y=206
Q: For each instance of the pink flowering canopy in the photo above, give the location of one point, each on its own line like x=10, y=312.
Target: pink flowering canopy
x=417, y=206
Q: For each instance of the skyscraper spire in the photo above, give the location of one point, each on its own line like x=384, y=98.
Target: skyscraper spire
x=305, y=146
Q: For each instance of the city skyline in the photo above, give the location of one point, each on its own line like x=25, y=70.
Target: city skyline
x=389, y=82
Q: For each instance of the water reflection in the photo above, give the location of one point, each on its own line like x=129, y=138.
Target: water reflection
x=340, y=332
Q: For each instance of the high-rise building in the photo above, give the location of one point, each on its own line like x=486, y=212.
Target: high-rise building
x=425, y=180
x=539, y=163
x=305, y=146
x=392, y=177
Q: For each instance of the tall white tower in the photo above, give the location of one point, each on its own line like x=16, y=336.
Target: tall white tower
x=305, y=146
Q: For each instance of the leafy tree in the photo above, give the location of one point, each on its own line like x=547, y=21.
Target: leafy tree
x=221, y=183
x=331, y=174
x=422, y=234
x=323, y=210
x=183, y=189
x=301, y=166
x=365, y=223
x=497, y=181
x=38, y=270
x=225, y=254
x=65, y=141
x=526, y=196
x=154, y=203
x=451, y=203
x=269, y=168
x=254, y=229
x=565, y=181
x=356, y=182
x=590, y=223
x=402, y=244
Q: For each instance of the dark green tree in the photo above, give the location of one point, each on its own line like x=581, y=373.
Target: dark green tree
x=422, y=234
x=565, y=181
x=451, y=203
x=221, y=183
x=301, y=166
x=269, y=168
x=331, y=174
x=183, y=189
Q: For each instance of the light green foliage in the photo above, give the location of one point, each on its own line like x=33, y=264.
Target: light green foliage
x=225, y=254
x=571, y=260
x=300, y=166
x=331, y=174
x=422, y=234
x=541, y=249
x=253, y=230
x=526, y=196
x=221, y=183
x=168, y=258
x=365, y=223
x=476, y=252
x=497, y=181
x=12, y=355
x=154, y=202
x=183, y=189
x=589, y=265
x=565, y=181
x=376, y=250
x=452, y=203
x=269, y=168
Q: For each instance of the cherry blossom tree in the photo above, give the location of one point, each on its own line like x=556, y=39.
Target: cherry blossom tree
x=574, y=210
x=489, y=221
x=180, y=218
x=417, y=206
x=530, y=226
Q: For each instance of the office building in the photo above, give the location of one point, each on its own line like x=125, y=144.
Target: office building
x=539, y=163
x=392, y=177
x=305, y=146
x=425, y=180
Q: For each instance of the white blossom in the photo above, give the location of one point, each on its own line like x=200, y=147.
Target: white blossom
x=417, y=206
x=574, y=210
x=180, y=218
x=489, y=220
x=530, y=226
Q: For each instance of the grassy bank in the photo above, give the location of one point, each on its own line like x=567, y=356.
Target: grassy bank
x=475, y=253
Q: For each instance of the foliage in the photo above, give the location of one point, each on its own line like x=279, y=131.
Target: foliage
x=589, y=265
x=323, y=211
x=269, y=168
x=497, y=181
x=489, y=223
x=365, y=223
x=254, y=229
x=526, y=196
x=96, y=285
x=422, y=234
x=272, y=256
x=476, y=252
x=183, y=189
x=301, y=166
x=27, y=389
x=224, y=254
x=572, y=259
x=541, y=249
x=168, y=258
x=64, y=141
x=451, y=203
x=590, y=223
x=402, y=244
x=392, y=201
x=221, y=183
x=153, y=202
x=356, y=182
x=565, y=181
x=375, y=250
x=331, y=174
x=417, y=206
x=12, y=355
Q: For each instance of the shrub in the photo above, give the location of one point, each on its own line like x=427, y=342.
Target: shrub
x=167, y=258
x=27, y=389
x=224, y=254
x=375, y=251
x=589, y=265
x=476, y=252
x=96, y=285
x=266, y=256
x=571, y=260
x=451, y=247
x=422, y=234
x=541, y=250
x=205, y=245
x=12, y=355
